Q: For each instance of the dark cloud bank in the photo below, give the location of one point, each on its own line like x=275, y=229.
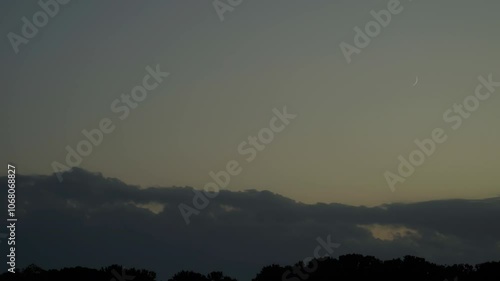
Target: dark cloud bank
x=90, y=220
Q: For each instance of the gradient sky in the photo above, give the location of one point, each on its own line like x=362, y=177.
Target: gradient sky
x=226, y=77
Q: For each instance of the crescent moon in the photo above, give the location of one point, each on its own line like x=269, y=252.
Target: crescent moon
x=416, y=82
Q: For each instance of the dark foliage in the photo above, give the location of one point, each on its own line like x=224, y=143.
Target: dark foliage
x=358, y=267
x=347, y=267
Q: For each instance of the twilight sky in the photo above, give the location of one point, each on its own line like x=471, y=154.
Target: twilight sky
x=264, y=91
x=226, y=77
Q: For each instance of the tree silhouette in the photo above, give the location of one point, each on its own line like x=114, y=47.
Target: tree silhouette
x=347, y=267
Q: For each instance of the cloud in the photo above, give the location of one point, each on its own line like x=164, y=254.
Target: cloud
x=91, y=220
x=390, y=232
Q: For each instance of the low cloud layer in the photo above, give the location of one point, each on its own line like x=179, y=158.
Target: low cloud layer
x=90, y=220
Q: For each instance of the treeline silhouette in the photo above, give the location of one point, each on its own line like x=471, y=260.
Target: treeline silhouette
x=347, y=267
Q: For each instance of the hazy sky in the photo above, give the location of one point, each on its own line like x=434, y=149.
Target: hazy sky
x=353, y=120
